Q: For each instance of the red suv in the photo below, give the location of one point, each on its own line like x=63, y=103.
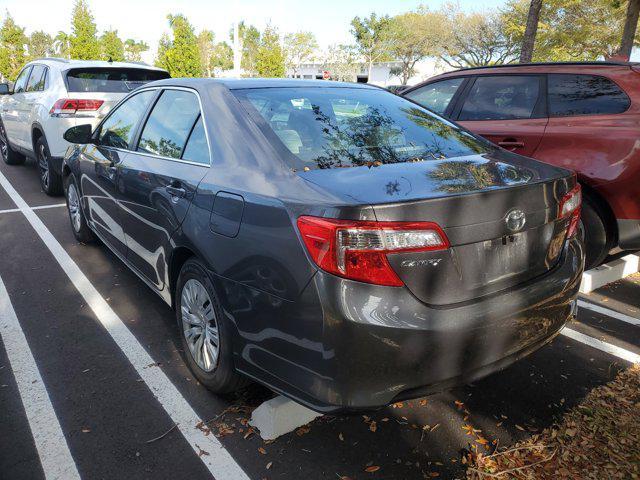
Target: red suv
x=582, y=116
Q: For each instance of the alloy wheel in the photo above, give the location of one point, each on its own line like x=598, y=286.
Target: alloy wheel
x=43, y=166
x=74, y=207
x=199, y=325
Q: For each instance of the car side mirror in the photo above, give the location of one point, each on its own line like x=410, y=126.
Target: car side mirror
x=79, y=134
x=4, y=89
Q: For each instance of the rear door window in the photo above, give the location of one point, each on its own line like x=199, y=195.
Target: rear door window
x=110, y=80
x=436, y=96
x=170, y=123
x=118, y=129
x=197, y=148
x=584, y=95
x=36, y=79
x=505, y=97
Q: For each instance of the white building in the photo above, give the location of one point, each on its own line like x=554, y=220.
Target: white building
x=380, y=74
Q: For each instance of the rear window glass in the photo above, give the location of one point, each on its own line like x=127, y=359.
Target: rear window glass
x=505, y=97
x=584, y=95
x=436, y=96
x=110, y=80
x=345, y=127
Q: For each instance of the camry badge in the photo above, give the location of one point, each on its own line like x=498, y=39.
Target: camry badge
x=515, y=220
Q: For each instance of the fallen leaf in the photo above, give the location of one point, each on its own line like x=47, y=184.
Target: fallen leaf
x=373, y=426
x=269, y=465
x=372, y=468
x=262, y=451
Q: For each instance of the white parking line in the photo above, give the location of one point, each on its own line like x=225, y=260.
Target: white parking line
x=210, y=451
x=50, y=442
x=608, y=312
x=41, y=207
x=602, y=346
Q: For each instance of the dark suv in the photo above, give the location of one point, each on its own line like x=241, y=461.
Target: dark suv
x=582, y=116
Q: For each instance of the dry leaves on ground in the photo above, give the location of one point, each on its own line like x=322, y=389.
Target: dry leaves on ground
x=597, y=439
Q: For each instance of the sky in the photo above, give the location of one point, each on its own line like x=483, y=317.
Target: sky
x=147, y=19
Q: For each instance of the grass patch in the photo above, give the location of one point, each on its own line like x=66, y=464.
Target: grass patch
x=598, y=439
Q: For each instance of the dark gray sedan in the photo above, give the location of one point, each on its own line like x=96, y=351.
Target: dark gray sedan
x=335, y=242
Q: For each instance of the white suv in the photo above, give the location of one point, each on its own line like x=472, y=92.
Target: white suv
x=53, y=94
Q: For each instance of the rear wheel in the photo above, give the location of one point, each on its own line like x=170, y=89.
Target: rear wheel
x=81, y=230
x=50, y=180
x=9, y=155
x=205, y=334
x=598, y=240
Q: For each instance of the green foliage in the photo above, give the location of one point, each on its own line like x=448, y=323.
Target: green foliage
x=133, y=50
x=373, y=38
x=250, y=43
x=112, y=46
x=570, y=30
x=299, y=48
x=205, y=48
x=415, y=36
x=477, y=39
x=179, y=55
x=62, y=45
x=83, y=42
x=222, y=56
x=341, y=62
x=40, y=45
x=270, y=57
x=13, y=53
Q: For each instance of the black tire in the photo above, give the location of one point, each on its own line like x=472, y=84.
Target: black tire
x=50, y=180
x=8, y=154
x=79, y=226
x=222, y=378
x=598, y=240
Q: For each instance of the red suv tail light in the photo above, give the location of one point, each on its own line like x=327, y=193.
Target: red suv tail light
x=70, y=106
x=358, y=249
x=570, y=207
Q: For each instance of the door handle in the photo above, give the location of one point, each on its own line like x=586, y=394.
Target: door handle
x=112, y=170
x=509, y=143
x=175, y=190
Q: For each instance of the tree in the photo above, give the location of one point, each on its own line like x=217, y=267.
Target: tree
x=529, y=40
x=133, y=50
x=415, y=36
x=249, y=45
x=477, y=39
x=630, y=27
x=40, y=45
x=112, y=46
x=270, y=57
x=298, y=48
x=341, y=62
x=222, y=57
x=205, y=48
x=61, y=45
x=372, y=37
x=179, y=55
x=569, y=30
x=83, y=42
x=12, y=48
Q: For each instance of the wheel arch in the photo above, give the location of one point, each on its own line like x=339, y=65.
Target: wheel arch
x=37, y=132
x=179, y=256
x=605, y=211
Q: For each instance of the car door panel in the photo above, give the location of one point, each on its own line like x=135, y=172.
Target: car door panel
x=522, y=136
x=12, y=108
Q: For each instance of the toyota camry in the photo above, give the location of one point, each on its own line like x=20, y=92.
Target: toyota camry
x=340, y=244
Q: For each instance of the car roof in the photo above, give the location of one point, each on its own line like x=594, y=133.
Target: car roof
x=65, y=64
x=246, y=83
x=548, y=64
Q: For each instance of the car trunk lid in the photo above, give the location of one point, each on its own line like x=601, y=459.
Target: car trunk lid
x=501, y=219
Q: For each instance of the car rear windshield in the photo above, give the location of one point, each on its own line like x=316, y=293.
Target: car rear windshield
x=110, y=80
x=345, y=127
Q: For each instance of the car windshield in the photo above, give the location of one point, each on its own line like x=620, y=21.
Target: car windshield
x=110, y=80
x=346, y=127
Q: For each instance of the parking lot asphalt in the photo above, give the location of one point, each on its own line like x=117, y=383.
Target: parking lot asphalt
x=117, y=419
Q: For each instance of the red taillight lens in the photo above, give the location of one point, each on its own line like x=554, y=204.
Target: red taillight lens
x=69, y=106
x=358, y=249
x=570, y=207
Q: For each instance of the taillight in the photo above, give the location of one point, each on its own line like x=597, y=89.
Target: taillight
x=570, y=207
x=358, y=249
x=70, y=106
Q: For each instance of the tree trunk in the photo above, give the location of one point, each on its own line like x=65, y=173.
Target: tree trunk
x=629, y=33
x=370, y=68
x=530, y=32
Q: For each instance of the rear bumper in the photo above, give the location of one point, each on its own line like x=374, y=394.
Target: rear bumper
x=381, y=344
